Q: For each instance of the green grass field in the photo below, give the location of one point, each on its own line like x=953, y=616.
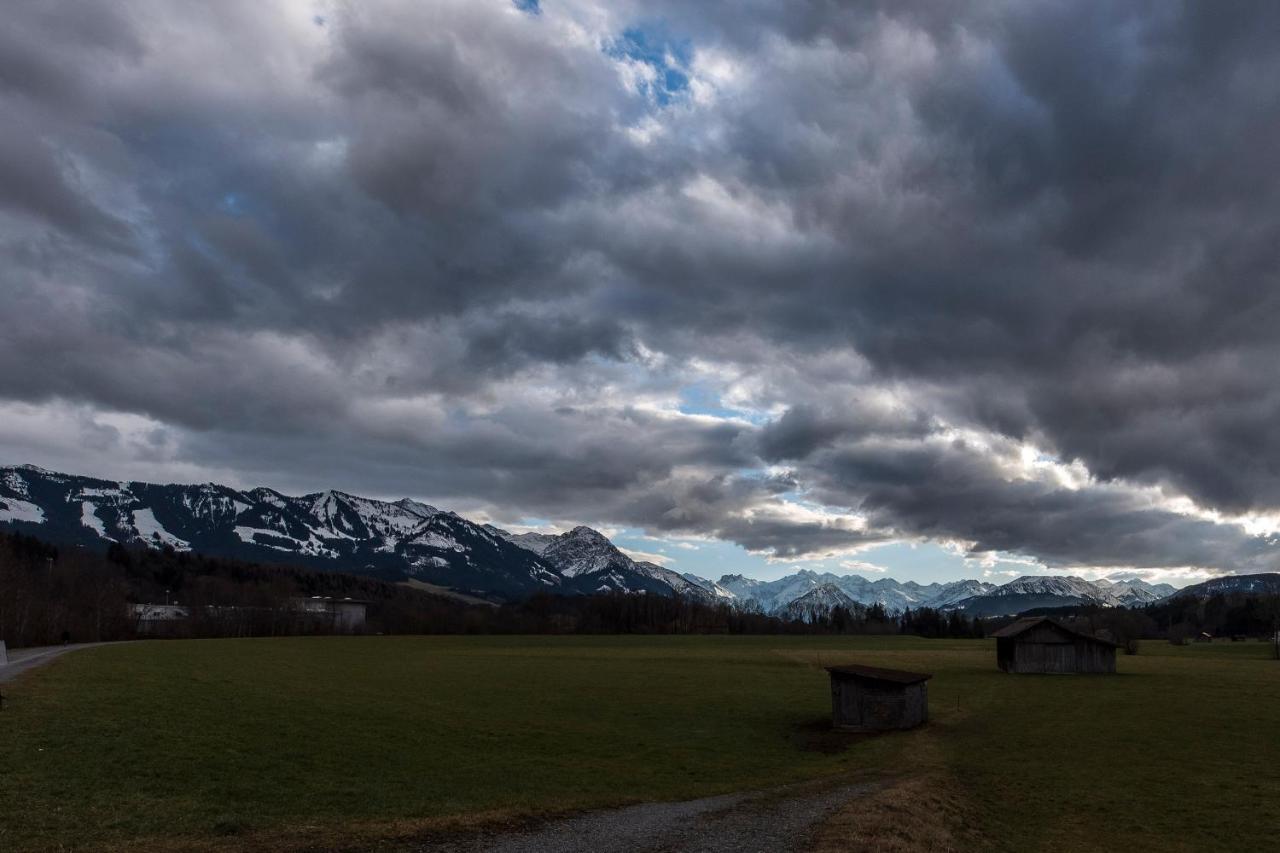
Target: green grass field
x=164, y=743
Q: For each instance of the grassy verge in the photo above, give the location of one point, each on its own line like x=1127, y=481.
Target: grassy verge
x=191, y=739
x=1180, y=751
x=266, y=742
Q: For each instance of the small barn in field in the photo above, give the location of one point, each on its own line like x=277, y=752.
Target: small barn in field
x=871, y=699
x=1039, y=644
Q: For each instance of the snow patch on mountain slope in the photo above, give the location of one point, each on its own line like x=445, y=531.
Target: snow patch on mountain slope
x=210, y=502
x=274, y=539
x=115, y=494
x=14, y=509
x=89, y=518
x=15, y=482
x=432, y=539
x=146, y=526
x=538, y=543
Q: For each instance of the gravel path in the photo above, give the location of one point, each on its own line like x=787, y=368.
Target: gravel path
x=21, y=660
x=781, y=819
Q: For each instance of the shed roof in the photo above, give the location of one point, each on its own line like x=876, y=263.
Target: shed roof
x=1022, y=625
x=875, y=673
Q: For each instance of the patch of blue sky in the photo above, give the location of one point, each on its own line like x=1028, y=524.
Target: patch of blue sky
x=700, y=399
x=927, y=562
x=651, y=44
x=529, y=6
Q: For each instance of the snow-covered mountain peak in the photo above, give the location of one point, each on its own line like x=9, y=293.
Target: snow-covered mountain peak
x=584, y=551
x=1048, y=585
x=417, y=508
x=818, y=603
x=595, y=564
x=588, y=534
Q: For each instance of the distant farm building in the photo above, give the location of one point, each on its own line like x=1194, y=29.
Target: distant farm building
x=871, y=699
x=1039, y=644
x=344, y=614
x=159, y=618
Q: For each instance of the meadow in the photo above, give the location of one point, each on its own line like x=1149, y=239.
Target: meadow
x=232, y=744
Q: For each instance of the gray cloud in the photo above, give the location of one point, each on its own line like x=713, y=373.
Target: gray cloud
x=460, y=251
x=951, y=490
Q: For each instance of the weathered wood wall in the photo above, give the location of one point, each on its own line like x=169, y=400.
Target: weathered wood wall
x=1062, y=655
x=869, y=706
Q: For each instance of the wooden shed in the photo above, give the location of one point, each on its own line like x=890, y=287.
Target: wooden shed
x=1039, y=644
x=871, y=699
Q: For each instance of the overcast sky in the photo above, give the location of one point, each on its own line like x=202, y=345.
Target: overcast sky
x=927, y=290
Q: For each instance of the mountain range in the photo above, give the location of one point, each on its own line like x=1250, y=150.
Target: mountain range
x=407, y=540
x=394, y=540
x=1267, y=583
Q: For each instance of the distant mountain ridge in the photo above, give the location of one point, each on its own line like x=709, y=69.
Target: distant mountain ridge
x=584, y=553
x=774, y=596
x=817, y=604
x=394, y=540
x=1033, y=591
x=407, y=539
x=1267, y=583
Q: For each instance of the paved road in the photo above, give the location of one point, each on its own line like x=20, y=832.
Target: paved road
x=782, y=819
x=21, y=660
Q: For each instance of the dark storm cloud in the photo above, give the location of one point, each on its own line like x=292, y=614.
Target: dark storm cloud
x=463, y=250
x=952, y=491
x=807, y=428
x=32, y=183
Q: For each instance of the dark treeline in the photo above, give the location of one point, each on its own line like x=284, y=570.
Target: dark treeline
x=1219, y=616
x=656, y=614
x=1177, y=620
x=50, y=594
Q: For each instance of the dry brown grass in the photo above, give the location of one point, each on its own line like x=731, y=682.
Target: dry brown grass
x=922, y=810
x=351, y=837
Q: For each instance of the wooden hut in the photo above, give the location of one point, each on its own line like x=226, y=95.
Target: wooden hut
x=871, y=699
x=1039, y=644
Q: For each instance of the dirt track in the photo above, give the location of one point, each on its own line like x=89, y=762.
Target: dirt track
x=781, y=819
x=21, y=660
